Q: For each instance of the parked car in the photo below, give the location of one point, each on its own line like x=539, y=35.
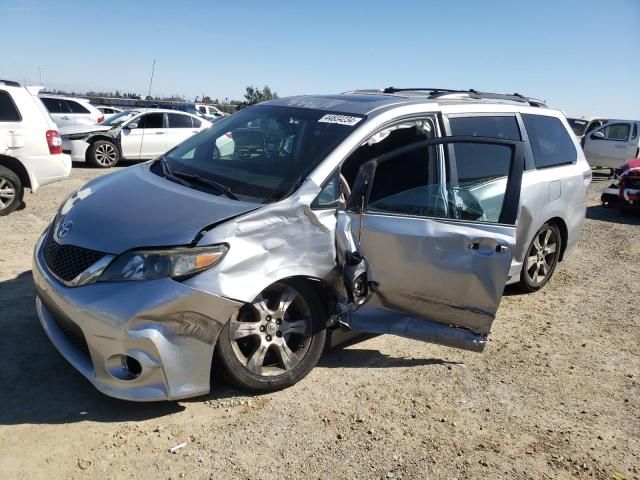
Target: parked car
x=402, y=212
x=130, y=135
x=625, y=194
x=67, y=111
x=613, y=144
x=209, y=111
x=583, y=125
x=108, y=111
x=30, y=147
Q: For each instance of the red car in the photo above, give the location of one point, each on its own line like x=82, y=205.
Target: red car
x=626, y=194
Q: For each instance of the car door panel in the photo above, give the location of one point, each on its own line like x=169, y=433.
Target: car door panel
x=146, y=141
x=431, y=277
x=609, y=152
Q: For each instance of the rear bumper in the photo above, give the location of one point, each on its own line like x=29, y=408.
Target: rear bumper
x=46, y=169
x=170, y=329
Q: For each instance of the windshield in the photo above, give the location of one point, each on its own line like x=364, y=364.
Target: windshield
x=118, y=118
x=261, y=153
x=577, y=125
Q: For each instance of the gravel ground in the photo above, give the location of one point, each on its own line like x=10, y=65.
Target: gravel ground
x=554, y=395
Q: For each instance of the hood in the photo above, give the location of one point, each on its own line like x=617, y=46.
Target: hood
x=135, y=208
x=76, y=129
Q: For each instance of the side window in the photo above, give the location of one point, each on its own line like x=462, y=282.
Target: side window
x=55, y=105
x=196, y=122
x=408, y=183
x=617, y=131
x=505, y=127
x=151, y=120
x=178, y=121
x=634, y=135
x=76, y=107
x=202, y=109
x=329, y=196
x=8, y=110
x=550, y=141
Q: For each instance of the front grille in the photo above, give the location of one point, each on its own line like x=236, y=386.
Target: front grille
x=73, y=333
x=68, y=261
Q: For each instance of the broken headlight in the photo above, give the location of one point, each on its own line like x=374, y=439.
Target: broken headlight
x=153, y=264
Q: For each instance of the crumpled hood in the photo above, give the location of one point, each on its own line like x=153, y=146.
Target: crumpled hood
x=135, y=208
x=78, y=129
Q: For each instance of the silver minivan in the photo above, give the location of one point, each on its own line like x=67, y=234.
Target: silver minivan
x=399, y=212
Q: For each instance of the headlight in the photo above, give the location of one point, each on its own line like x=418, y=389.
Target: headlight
x=153, y=264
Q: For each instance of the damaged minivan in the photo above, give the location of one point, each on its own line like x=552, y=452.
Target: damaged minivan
x=399, y=212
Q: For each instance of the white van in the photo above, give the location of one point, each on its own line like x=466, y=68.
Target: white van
x=30, y=146
x=613, y=144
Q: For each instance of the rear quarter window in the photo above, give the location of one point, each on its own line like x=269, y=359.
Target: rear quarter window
x=77, y=107
x=8, y=110
x=550, y=142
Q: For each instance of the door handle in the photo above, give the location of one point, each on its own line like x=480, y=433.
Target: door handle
x=159, y=133
x=195, y=131
x=620, y=146
x=501, y=249
x=474, y=246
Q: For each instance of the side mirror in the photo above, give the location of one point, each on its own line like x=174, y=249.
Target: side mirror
x=597, y=136
x=131, y=126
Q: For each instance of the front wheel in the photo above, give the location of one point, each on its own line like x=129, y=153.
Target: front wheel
x=275, y=341
x=103, y=154
x=541, y=259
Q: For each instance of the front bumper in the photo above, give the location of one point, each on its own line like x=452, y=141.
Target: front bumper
x=77, y=149
x=170, y=329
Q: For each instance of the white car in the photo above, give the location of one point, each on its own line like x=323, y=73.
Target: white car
x=210, y=111
x=613, y=144
x=130, y=135
x=581, y=126
x=30, y=146
x=108, y=111
x=67, y=111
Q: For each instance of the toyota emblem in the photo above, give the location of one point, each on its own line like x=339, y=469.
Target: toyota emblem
x=64, y=228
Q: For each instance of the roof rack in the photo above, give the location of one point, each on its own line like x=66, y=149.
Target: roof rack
x=475, y=94
x=9, y=83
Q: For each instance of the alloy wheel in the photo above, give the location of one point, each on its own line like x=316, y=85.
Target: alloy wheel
x=106, y=154
x=542, y=255
x=273, y=334
x=7, y=193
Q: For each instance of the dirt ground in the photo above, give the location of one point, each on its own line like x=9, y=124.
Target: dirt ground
x=554, y=395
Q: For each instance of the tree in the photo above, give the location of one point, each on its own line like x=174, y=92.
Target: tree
x=254, y=95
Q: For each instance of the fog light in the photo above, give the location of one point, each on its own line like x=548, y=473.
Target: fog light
x=131, y=365
x=123, y=367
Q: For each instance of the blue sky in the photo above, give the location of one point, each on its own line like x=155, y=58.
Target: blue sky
x=580, y=55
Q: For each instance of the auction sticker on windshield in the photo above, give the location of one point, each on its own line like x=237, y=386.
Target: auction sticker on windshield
x=340, y=119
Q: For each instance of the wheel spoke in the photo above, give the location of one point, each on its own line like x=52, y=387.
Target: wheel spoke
x=536, y=242
x=531, y=261
x=244, y=329
x=287, y=297
x=287, y=356
x=297, y=326
x=256, y=360
x=547, y=236
x=550, y=249
x=261, y=305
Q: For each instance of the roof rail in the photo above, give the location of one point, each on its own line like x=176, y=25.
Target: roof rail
x=434, y=93
x=9, y=83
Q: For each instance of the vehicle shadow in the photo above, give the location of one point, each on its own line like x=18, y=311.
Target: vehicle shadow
x=613, y=215
x=38, y=385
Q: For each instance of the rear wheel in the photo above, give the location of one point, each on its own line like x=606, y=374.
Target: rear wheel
x=275, y=341
x=541, y=258
x=103, y=154
x=11, y=191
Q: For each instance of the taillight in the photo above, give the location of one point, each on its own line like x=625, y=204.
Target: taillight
x=101, y=119
x=229, y=135
x=586, y=176
x=54, y=142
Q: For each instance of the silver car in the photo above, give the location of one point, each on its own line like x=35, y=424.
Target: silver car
x=399, y=212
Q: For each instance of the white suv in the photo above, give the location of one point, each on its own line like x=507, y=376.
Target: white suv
x=30, y=146
x=67, y=111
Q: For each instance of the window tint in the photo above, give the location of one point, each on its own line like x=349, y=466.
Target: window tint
x=76, y=107
x=485, y=126
x=617, y=131
x=56, y=105
x=196, y=122
x=202, y=109
x=8, y=110
x=150, y=120
x=635, y=131
x=329, y=196
x=408, y=184
x=179, y=121
x=550, y=141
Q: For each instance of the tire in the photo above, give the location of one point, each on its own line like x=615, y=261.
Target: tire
x=274, y=347
x=103, y=154
x=541, y=258
x=11, y=191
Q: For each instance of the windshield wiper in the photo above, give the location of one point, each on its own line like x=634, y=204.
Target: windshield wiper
x=204, y=181
x=166, y=171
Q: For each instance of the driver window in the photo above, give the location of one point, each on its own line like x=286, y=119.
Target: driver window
x=150, y=120
x=617, y=131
